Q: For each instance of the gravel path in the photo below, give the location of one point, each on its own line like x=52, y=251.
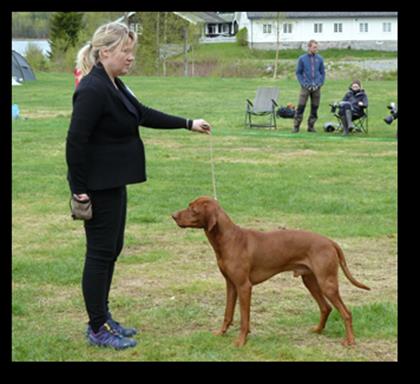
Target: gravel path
x=377, y=65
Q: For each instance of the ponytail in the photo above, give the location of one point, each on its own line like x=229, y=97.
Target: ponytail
x=85, y=60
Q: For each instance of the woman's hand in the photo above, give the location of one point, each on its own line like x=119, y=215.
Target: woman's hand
x=201, y=126
x=81, y=197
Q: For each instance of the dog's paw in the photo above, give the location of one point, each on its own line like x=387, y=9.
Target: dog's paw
x=218, y=332
x=316, y=329
x=348, y=342
x=240, y=342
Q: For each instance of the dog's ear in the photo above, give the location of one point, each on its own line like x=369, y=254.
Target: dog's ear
x=211, y=222
x=211, y=214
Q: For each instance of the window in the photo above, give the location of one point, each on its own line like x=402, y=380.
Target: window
x=318, y=28
x=363, y=27
x=267, y=28
x=338, y=27
x=136, y=27
x=211, y=28
x=386, y=27
x=287, y=28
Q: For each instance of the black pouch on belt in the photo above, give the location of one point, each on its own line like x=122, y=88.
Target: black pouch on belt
x=80, y=209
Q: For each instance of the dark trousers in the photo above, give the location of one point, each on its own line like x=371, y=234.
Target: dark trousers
x=303, y=99
x=104, y=242
x=348, y=114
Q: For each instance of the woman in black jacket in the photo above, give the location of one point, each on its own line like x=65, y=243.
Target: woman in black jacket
x=352, y=106
x=104, y=153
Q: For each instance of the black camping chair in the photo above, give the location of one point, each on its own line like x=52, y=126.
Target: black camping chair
x=264, y=104
x=361, y=123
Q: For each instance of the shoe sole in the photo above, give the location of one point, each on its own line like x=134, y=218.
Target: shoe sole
x=90, y=342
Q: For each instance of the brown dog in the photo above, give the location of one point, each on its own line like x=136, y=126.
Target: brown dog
x=247, y=257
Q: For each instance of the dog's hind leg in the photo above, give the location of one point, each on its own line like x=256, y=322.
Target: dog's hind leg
x=311, y=283
x=329, y=288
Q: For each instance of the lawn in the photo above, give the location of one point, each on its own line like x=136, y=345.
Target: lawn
x=166, y=281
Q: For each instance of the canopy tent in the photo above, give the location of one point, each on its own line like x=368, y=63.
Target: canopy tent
x=21, y=70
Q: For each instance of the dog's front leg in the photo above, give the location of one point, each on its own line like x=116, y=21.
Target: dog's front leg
x=231, y=297
x=244, y=292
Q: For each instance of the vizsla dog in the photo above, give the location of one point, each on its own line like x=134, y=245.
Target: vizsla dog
x=247, y=257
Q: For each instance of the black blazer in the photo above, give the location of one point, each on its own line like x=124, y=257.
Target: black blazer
x=103, y=148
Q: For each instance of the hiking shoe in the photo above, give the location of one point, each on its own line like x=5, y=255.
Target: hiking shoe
x=123, y=331
x=108, y=337
x=295, y=130
x=311, y=129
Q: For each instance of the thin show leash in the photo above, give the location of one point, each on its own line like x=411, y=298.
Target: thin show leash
x=213, y=175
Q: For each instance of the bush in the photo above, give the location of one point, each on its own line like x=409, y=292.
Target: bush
x=35, y=58
x=241, y=37
x=64, y=59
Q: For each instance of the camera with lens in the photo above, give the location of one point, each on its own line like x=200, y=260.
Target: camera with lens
x=393, y=109
x=334, y=106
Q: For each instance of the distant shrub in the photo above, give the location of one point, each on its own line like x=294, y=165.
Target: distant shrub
x=64, y=59
x=35, y=58
x=241, y=37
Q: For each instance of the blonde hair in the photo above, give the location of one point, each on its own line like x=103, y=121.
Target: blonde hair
x=111, y=36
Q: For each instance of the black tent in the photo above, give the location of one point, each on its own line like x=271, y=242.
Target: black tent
x=21, y=69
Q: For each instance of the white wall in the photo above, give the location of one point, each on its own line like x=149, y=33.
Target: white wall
x=242, y=19
x=303, y=30
x=351, y=29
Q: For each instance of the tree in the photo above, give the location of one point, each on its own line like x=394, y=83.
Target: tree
x=165, y=40
x=194, y=34
x=279, y=17
x=163, y=35
x=147, y=49
x=157, y=62
x=65, y=28
x=242, y=37
x=30, y=24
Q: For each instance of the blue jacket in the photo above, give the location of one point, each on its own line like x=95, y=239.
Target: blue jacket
x=310, y=70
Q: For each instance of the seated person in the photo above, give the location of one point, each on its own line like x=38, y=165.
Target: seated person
x=352, y=106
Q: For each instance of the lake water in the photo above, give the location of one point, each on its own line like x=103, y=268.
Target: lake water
x=20, y=46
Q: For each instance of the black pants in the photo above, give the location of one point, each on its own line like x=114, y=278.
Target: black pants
x=104, y=242
x=348, y=117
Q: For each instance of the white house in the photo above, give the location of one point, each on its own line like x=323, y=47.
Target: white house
x=214, y=24
x=356, y=30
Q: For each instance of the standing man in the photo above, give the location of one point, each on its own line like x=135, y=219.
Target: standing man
x=311, y=75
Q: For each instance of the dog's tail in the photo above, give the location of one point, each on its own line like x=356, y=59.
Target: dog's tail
x=346, y=270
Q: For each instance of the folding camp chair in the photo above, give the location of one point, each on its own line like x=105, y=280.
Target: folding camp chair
x=264, y=104
x=361, y=123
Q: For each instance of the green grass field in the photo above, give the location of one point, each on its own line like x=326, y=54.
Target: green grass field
x=167, y=282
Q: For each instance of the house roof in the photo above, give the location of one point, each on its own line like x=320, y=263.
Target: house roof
x=203, y=17
x=294, y=15
x=227, y=16
x=121, y=19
